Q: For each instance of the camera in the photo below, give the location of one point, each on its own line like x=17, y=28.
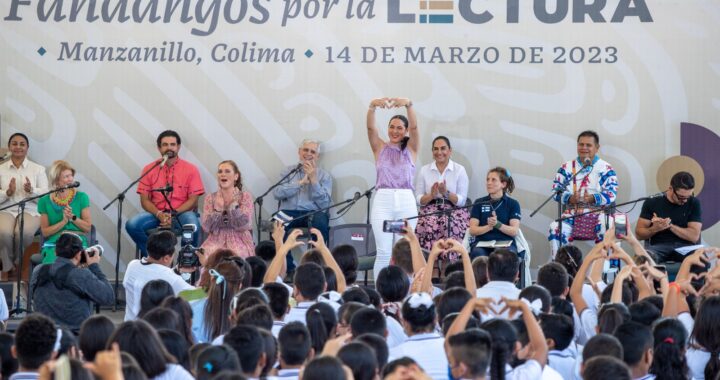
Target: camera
x=187, y=257
x=96, y=249
x=394, y=226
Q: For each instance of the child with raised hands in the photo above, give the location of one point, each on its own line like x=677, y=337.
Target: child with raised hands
x=505, y=343
x=443, y=246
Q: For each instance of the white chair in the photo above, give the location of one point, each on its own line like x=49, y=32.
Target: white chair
x=522, y=246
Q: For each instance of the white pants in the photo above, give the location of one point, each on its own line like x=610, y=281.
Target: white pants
x=390, y=204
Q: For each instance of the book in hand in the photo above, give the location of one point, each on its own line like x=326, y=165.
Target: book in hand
x=494, y=243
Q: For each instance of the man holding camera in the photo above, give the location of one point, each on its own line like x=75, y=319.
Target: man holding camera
x=65, y=289
x=156, y=266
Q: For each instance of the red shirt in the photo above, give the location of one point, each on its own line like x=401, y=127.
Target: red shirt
x=183, y=176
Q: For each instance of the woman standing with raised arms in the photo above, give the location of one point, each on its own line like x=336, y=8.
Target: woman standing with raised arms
x=395, y=166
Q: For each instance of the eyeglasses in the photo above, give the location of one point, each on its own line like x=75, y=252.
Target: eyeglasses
x=682, y=199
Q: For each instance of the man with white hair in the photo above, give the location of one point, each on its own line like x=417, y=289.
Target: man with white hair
x=307, y=188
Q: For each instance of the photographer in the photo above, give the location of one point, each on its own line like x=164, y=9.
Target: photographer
x=65, y=289
x=156, y=266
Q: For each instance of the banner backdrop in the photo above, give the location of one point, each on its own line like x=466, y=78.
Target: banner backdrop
x=511, y=83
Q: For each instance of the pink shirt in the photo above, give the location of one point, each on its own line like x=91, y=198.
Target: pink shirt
x=395, y=168
x=182, y=176
x=228, y=226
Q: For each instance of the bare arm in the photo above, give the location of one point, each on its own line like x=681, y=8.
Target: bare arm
x=376, y=143
x=329, y=259
x=277, y=262
x=510, y=229
x=597, y=253
x=456, y=246
x=437, y=248
x=418, y=260
x=476, y=229
x=645, y=229
x=414, y=142
x=690, y=233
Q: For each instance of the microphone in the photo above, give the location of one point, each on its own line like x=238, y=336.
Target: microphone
x=298, y=167
x=656, y=195
x=166, y=189
x=587, y=162
x=356, y=196
x=168, y=155
x=71, y=185
x=5, y=156
x=351, y=202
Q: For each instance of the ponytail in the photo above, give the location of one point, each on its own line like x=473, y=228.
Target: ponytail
x=504, y=335
x=321, y=321
x=404, y=142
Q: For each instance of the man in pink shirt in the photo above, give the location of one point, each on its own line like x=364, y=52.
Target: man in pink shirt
x=184, y=186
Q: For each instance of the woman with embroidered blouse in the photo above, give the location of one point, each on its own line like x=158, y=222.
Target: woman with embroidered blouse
x=227, y=214
x=64, y=210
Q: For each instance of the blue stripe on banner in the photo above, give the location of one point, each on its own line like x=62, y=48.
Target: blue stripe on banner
x=441, y=19
x=423, y=19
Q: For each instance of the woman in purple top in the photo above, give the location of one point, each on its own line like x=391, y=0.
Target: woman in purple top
x=395, y=166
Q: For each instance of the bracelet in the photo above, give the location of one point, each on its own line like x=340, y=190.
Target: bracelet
x=674, y=285
x=372, y=107
x=497, y=225
x=409, y=104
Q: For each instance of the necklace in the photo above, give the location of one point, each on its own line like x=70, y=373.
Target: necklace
x=64, y=200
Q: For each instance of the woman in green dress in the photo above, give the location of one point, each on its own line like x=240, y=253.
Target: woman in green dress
x=65, y=210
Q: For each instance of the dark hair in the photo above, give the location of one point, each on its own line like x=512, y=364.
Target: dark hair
x=559, y=305
x=259, y=316
x=194, y=353
x=312, y=256
x=309, y=280
x=295, y=343
x=220, y=255
x=655, y=300
x=503, y=265
x=347, y=310
x=168, y=133
x=368, y=320
x=320, y=320
x=602, y=344
x=682, y=180
x=644, y=312
x=606, y=367
x=395, y=364
x=706, y=333
x=177, y=346
x=452, y=301
x=258, y=267
x=250, y=297
x=454, y=280
x=375, y=299
x=34, y=340
x=504, y=336
x=21, y=135
x=270, y=348
x=279, y=297
x=152, y=295
x=361, y=359
x=473, y=348
x=238, y=183
x=229, y=375
x=570, y=257
x=216, y=314
x=94, y=334
x=356, y=294
x=392, y=283
x=67, y=342
x=324, y=367
x=404, y=142
x=453, y=267
x=248, y=345
x=161, y=244
x=163, y=318
x=504, y=176
x=8, y=364
x=419, y=319
x=669, y=362
x=588, y=133
x=379, y=346
x=612, y=315
x=140, y=340
x=184, y=312
x=479, y=266
x=401, y=256
x=346, y=258
x=559, y=328
x=330, y=279
x=68, y=245
x=636, y=339
x=629, y=293
x=214, y=359
x=554, y=278
x=265, y=250
x=537, y=292
x=130, y=368
x=473, y=322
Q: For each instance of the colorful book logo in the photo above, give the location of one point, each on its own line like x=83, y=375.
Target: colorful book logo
x=436, y=11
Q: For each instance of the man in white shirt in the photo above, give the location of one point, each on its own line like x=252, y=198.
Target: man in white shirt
x=503, y=273
x=19, y=178
x=156, y=266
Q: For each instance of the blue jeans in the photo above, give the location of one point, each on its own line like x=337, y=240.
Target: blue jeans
x=320, y=221
x=482, y=251
x=139, y=224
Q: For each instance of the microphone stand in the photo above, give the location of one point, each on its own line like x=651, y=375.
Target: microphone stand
x=259, y=200
x=611, y=206
x=355, y=200
x=21, y=204
x=120, y=198
x=558, y=193
x=350, y=202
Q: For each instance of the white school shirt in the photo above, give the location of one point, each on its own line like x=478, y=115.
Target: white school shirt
x=428, y=350
x=174, y=372
x=530, y=370
x=288, y=374
x=138, y=274
x=455, y=176
x=38, y=180
x=297, y=313
x=589, y=321
x=697, y=360
x=548, y=373
x=496, y=290
x=563, y=362
x=276, y=327
x=396, y=334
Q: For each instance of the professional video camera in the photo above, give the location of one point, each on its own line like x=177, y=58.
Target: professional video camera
x=187, y=257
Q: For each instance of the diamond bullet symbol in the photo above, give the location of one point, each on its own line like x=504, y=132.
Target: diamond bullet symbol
x=308, y=53
x=41, y=51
